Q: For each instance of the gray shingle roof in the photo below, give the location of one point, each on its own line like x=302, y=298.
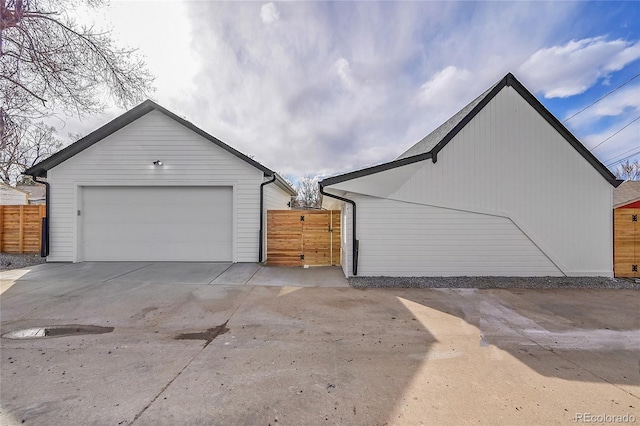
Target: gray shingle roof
x=432, y=139
x=432, y=144
x=626, y=193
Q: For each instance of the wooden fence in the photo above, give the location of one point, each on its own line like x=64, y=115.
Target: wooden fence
x=303, y=237
x=626, y=243
x=21, y=228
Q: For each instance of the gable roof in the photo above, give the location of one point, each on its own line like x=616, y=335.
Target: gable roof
x=40, y=169
x=428, y=147
x=432, y=139
x=628, y=192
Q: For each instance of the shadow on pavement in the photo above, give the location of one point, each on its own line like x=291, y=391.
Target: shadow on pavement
x=310, y=355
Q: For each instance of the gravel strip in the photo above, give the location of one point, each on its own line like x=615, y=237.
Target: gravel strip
x=17, y=261
x=493, y=282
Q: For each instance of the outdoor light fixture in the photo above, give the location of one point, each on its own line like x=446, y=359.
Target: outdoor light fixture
x=157, y=163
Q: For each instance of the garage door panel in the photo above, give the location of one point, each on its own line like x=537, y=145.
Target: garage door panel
x=157, y=223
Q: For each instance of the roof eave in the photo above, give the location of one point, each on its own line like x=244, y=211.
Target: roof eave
x=40, y=169
x=374, y=169
x=627, y=202
x=560, y=128
x=284, y=185
x=508, y=80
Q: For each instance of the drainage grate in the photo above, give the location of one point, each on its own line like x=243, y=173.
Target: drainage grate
x=56, y=331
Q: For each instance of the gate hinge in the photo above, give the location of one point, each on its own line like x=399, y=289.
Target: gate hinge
x=634, y=268
x=301, y=218
x=302, y=257
x=634, y=218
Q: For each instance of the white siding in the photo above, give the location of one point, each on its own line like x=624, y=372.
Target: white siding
x=406, y=239
x=10, y=196
x=125, y=158
x=346, y=251
x=275, y=198
x=506, y=162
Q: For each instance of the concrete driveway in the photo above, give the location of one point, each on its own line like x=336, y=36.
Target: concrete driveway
x=204, y=344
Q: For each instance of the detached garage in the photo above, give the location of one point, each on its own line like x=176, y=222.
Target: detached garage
x=500, y=189
x=150, y=186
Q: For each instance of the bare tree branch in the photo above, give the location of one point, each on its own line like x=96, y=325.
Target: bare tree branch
x=49, y=64
x=628, y=170
x=308, y=193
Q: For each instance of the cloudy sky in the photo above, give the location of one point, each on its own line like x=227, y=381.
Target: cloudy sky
x=319, y=88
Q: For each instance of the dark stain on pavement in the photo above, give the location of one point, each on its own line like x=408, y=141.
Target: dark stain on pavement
x=207, y=335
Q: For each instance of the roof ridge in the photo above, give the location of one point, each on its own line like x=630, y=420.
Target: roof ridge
x=40, y=169
x=429, y=147
x=427, y=143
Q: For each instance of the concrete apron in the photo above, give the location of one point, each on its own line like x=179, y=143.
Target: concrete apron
x=296, y=355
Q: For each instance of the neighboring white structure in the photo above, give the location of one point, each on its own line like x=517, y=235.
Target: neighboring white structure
x=37, y=193
x=151, y=186
x=501, y=189
x=12, y=196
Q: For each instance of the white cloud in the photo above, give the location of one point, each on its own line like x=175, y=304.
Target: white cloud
x=343, y=69
x=572, y=68
x=269, y=13
x=444, y=85
x=617, y=147
x=324, y=87
x=447, y=91
x=624, y=103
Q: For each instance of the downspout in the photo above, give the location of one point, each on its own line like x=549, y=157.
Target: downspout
x=44, y=245
x=260, y=241
x=354, y=242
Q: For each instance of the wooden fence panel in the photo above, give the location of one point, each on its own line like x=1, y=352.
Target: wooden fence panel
x=303, y=237
x=626, y=243
x=316, y=238
x=21, y=228
x=284, y=238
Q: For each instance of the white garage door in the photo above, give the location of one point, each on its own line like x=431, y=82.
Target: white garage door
x=157, y=223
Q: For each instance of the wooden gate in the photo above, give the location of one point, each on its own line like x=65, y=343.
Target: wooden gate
x=21, y=228
x=303, y=237
x=626, y=242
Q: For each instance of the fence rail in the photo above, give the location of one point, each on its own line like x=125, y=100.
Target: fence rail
x=21, y=228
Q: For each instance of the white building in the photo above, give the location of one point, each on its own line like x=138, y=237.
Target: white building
x=500, y=189
x=151, y=186
x=12, y=196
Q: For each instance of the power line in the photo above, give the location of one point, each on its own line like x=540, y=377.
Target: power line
x=622, y=159
x=620, y=155
x=598, y=100
x=627, y=125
